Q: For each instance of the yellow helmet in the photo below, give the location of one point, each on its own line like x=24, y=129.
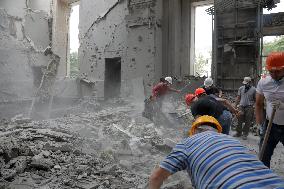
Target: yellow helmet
x=205, y=120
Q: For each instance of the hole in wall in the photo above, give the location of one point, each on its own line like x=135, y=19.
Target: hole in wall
x=74, y=41
x=112, y=77
x=203, y=41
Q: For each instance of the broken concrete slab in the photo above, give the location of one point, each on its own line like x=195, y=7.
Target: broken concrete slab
x=8, y=174
x=40, y=163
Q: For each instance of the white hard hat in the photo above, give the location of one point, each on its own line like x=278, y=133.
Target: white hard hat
x=208, y=82
x=169, y=79
x=246, y=80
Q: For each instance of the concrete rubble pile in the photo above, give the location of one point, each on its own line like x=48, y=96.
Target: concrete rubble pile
x=111, y=148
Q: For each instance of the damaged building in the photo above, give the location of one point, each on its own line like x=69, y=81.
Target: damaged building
x=128, y=42
x=87, y=132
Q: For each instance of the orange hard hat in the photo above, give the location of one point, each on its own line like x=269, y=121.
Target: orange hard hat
x=275, y=61
x=205, y=120
x=199, y=91
x=189, y=98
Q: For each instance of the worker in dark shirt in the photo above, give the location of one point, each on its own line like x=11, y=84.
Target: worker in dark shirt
x=207, y=105
x=210, y=88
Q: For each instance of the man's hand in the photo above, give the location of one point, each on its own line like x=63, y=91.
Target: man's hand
x=259, y=129
x=276, y=104
x=238, y=113
x=158, y=177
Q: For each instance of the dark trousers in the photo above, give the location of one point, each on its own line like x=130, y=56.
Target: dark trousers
x=276, y=136
x=225, y=119
x=247, y=118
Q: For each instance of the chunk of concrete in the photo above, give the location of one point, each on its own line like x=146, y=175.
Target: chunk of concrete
x=8, y=174
x=41, y=163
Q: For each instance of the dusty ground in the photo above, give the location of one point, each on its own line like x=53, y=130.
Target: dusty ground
x=111, y=146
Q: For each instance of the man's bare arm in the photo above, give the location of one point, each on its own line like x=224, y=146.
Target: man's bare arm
x=259, y=108
x=238, y=99
x=226, y=103
x=174, y=90
x=158, y=177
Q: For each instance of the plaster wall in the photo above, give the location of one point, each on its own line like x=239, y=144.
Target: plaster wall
x=24, y=35
x=16, y=78
x=43, y=5
x=14, y=8
x=120, y=28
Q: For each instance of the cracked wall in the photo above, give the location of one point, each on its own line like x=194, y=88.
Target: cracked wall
x=26, y=31
x=120, y=28
x=24, y=35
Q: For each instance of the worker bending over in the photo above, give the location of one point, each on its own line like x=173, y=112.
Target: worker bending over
x=271, y=89
x=208, y=105
x=160, y=90
x=215, y=160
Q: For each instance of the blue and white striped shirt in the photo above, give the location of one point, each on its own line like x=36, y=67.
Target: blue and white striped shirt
x=219, y=161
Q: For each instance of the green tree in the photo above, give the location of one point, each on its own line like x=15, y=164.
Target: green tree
x=276, y=45
x=74, y=65
x=202, y=65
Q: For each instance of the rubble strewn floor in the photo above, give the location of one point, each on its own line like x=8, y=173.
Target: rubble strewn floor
x=113, y=147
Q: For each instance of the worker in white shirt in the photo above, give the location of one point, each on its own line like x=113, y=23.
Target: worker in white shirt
x=271, y=89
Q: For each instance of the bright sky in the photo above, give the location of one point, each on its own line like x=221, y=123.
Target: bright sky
x=203, y=31
x=73, y=28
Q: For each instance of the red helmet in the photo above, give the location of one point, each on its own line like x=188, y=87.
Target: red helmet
x=199, y=91
x=189, y=98
x=275, y=61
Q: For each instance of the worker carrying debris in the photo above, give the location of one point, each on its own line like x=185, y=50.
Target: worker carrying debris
x=215, y=160
x=153, y=104
x=207, y=105
x=245, y=101
x=160, y=90
x=271, y=89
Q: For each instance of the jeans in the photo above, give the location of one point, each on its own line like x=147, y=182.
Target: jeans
x=247, y=118
x=276, y=136
x=225, y=119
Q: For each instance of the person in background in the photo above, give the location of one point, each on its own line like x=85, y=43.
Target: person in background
x=160, y=90
x=210, y=88
x=245, y=100
x=271, y=90
x=214, y=160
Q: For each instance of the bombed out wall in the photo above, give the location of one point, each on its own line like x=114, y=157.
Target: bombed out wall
x=32, y=61
x=24, y=35
x=119, y=45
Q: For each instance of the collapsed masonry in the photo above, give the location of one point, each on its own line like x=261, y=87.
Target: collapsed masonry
x=112, y=148
x=125, y=46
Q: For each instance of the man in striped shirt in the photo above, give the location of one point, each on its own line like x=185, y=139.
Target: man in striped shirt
x=214, y=160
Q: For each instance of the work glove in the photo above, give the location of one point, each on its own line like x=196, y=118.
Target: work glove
x=276, y=104
x=260, y=129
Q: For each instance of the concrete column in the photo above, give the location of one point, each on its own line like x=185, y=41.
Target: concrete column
x=185, y=42
x=61, y=13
